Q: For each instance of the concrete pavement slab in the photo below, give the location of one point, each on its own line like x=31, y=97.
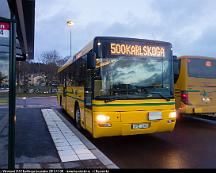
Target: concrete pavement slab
x=42, y=143
x=102, y=158
x=33, y=141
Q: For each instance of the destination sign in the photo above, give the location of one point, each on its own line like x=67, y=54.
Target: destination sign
x=136, y=50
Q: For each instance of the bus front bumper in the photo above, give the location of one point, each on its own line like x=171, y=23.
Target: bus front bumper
x=123, y=129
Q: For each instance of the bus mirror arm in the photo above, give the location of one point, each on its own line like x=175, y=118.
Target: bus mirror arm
x=91, y=60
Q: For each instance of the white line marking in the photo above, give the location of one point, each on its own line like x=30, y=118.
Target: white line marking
x=202, y=119
x=68, y=145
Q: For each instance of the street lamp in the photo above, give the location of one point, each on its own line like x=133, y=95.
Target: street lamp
x=70, y=24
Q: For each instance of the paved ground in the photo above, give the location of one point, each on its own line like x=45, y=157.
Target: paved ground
x=37, y=101
x=4, y=146
x=35, y=147
x=191, y=145
x=3, y=136
x=39, y=134
x=3, y=113
x=33, y=141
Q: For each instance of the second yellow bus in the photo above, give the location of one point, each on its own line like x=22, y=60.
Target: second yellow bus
x=195, y=85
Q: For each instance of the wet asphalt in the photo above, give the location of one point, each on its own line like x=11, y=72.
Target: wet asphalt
x=192, y=144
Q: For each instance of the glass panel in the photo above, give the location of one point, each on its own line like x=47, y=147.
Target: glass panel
x=133, y=78
x=202, y=68
x=4, y=95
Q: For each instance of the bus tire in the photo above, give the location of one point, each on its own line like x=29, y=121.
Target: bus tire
x=78, y=117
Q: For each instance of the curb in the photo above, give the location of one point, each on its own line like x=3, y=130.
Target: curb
x=100, y=156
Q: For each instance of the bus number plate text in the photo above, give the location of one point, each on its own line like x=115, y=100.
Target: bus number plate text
x=140, y=126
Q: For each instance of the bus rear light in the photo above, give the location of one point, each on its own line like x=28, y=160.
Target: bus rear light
x=184, y=97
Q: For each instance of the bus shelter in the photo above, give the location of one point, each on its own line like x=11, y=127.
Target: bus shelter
x=17, y=21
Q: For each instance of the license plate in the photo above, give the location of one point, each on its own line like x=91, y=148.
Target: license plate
x=140, y=126
x=155, y=116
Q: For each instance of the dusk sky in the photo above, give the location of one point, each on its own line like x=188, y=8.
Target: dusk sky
x=190, y=25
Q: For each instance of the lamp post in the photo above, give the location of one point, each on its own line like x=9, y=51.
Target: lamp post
x=70, y=24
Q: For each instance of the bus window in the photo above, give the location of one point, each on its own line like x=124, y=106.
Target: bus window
x=202, y=68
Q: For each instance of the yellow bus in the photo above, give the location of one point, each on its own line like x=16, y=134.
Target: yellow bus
x=195, y=85
x=120, y=86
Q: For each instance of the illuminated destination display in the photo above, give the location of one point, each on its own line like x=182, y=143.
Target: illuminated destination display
x=136, y=50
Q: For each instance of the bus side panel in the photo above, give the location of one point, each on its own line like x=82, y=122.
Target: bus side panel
x=61, y=98
x=82, y=113
x=88, y=120
x=64, y=103
x=59, y=94
x=70, y=102
x=199, y=89
x=78, y=95
x=181, y=83
x=70, y=106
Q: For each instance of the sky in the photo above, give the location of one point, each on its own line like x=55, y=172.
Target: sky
x=190, y=25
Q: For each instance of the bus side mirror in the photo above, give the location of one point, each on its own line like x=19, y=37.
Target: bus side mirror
x=91, y=60
x=174, y=57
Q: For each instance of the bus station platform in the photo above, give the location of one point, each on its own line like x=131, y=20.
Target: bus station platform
x=47, y=140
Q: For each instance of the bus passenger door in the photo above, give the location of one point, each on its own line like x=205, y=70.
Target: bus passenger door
x=64, y=98
x=88, y=101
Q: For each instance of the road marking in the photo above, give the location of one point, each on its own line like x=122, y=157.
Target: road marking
x=68, y=145
x=100, y=156
x=203, y=119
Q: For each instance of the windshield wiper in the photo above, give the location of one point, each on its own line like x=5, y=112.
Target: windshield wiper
x=107, y=100
x=166, y=98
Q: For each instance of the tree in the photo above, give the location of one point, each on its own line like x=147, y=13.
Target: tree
x=48, y=66
x=50, y=57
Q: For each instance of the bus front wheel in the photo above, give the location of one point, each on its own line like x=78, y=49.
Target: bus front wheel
x=77, y=118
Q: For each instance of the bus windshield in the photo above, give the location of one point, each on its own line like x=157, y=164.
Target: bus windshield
x=133, y=78
x=202, y=68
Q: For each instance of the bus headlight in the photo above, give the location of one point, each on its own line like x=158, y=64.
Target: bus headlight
x=172, y=115
x=102, y=118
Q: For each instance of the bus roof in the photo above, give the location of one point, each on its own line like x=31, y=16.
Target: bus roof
x=130, y=38
x=82, y=52
x=90, y=45
x=195, y=57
